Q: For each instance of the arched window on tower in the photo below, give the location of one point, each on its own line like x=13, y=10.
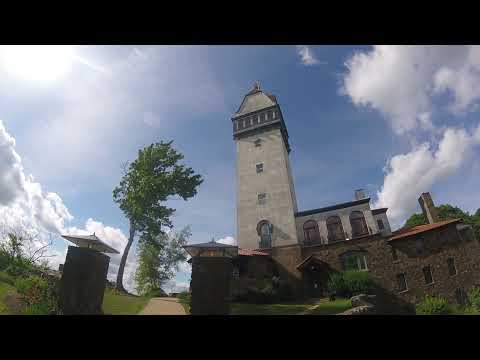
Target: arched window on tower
x=264, y=230
x=358, y=223
x=311, y=233
x=335, y=229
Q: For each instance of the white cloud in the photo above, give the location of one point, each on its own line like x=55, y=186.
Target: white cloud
x=24, y=204
x=306, y=56
x=229, y=240
x=408, y=175
x=175, y=286
x=400, y=81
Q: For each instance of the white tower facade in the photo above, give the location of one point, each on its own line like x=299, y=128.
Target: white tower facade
x=266, y=203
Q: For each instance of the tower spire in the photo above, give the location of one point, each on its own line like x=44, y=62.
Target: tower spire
x=256, y=87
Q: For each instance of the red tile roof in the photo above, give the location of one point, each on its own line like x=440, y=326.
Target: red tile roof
x=421, y=228
x=249, y=252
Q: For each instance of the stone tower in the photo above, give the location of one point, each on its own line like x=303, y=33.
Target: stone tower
x=266, y=203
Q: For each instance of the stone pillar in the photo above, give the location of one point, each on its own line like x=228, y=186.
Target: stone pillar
x=83, y=282
x=210, y=285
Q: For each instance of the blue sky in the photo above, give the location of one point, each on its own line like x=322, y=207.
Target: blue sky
x=394, y=120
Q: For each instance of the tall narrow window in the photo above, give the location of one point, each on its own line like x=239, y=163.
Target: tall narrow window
x=427, y=274
x=251, y=121
x=452, y=270
x=394, y=253
x=359, y=226
x=335, y=229
x=311, y=233
x=402, y=282
x=264, y=230
x=419, y=246
x=270, y=115
x=380, y=224
x=262, y=117
x=259, y=168
x=262, y=198
x=461, y=296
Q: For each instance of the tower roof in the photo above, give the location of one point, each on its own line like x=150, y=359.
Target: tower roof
x=255, y=100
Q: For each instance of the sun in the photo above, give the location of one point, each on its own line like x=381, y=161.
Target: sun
x=37, y=63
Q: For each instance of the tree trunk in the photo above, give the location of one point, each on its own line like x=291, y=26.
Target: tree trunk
x=123, y=261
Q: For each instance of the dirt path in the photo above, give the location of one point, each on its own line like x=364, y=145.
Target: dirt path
x=163, y=306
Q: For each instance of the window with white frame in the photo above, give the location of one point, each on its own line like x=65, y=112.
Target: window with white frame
x=354, y=260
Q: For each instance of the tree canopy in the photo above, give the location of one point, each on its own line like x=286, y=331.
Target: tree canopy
x=159, y=257
x=447, y=212
x=148, y=183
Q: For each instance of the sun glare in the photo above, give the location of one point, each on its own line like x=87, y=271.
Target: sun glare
x=40, y=63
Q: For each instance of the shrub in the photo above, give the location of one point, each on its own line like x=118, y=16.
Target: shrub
x=4, y=277
x=349, y=283
x=273, y=291
x=38, y=295
x=336, y=285
x=4, y=260
x=474, y=298
x=156, y=293
x=432, y=305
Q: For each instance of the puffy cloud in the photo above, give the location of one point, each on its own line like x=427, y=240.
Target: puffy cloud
x=408, y=175
x=400, y=81
x=22, y=200
x=24, y=205
x=176, y=286
x=306, y=56
x=229, y=240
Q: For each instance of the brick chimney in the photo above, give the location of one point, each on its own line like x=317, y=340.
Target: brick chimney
x=428, y=208
x=359, y=194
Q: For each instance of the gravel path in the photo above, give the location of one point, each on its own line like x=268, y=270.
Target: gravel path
x=163, y=306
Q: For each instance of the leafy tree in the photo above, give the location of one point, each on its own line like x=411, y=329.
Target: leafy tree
x=158, y=258
x=447, y=212
x=148, y=182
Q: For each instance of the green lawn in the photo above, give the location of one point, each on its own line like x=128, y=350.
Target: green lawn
x=326, y=308
x=332, y=307
x=267, y=309
x=119, y=304
x=4, y=290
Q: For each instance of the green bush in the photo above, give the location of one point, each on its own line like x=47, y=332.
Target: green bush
x=38, y=295
x=349, y=283
x=274, y=291
x=156, y=293
x=184, y=296
x=4, y=260
x=6, y=278
x=432, y=305
x=474, y=298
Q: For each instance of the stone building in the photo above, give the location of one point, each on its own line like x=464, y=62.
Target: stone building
x=304, y=247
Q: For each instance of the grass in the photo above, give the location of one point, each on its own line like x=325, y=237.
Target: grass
x=332, y=307
x=267, y=309
x=184, y=300
x=325, y=308
x=4, y=290
x=115, y=303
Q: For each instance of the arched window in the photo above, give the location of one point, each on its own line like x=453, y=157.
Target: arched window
x=359, y=226
x=335, y=229
x=311, y=233
x=354, y=260
x=264, y=230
